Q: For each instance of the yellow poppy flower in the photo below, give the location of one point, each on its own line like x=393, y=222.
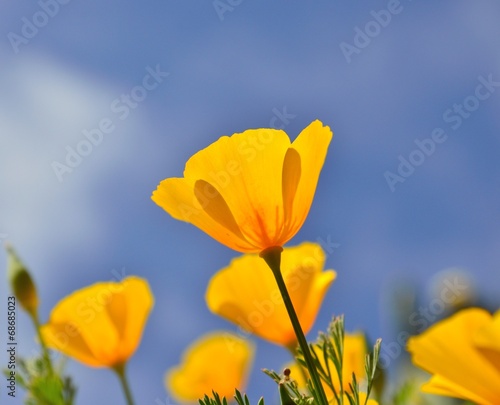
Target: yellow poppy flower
x=218, y=361
x=249, y=191
x=100, y=325
x=353, y=362
x=462, y=353
x=246, y=293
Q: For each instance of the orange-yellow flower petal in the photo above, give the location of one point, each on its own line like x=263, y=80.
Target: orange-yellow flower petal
x=448, y=351
x=246, y=293
x=252, y=190
x=310, y=154
x=487, y=340
x=441, y=386
x=100, y=325
x=218, y=361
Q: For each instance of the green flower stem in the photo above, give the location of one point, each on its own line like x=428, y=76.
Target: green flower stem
x=120, y=371
x=272, y=256
x=45, y=351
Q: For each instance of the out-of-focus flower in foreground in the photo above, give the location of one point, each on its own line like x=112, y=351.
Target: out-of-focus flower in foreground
x=246, y=293
x=100, y=325
x=355, y=351
x=219, y=361
x=252, y=190
x=462, y=353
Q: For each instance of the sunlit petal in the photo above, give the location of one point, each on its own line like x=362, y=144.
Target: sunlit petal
x=311, y=146
x=179, y=199
x=249, y=191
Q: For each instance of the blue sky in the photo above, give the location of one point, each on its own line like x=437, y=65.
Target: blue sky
x=226, y=73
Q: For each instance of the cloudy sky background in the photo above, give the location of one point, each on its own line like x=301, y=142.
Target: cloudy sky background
x=228, y=73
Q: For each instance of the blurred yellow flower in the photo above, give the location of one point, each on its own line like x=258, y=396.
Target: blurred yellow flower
x=354, y=359
x=252, y=190
x=362, y=399
x=100, y=325
x=355, y=351
x=218, y=361
x=246, y=293
x=462, y=353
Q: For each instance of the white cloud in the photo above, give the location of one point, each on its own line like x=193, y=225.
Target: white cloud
x=44, y=107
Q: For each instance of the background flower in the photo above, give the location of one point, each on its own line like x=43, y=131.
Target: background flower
x=453, y=351
x=218, y=361
x=101, y=325
x=250, y=191
x=246, y=293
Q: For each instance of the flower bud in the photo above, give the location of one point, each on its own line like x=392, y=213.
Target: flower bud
x=22, y=284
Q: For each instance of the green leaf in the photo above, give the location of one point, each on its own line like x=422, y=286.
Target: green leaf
x=285, y=397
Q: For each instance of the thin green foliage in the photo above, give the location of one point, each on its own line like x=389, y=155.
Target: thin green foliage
x=371, y=362
x=328, y=350
x=403, y=394
x=43, y=385
x=217, y=400
x=289, y=389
